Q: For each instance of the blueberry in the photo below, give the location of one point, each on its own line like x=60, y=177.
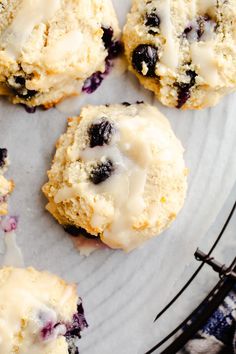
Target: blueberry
x=101, y=172
x=187, y=30
x=152, y=20
x=107, y=36
x=3, y=156
x=20, y=89
x=145, y=54
x=183, y=88
x=78, y=324
x=30, y=109
x=19, y=80
x=78, y=231
x=115, y=49
x=192, y=74
x=126, y=104
x=100, y=133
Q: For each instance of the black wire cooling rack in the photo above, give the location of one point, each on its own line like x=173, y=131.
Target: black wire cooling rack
x=194, y=322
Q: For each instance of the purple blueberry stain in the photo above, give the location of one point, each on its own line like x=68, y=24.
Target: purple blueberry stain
x=71, y=331
x=4, y=198
x=74, y=330
x=47, y=330
x=9, y=223
x=114, y=48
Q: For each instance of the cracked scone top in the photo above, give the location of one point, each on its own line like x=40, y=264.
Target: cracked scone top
x=53, y=49
x=39, y=313
x=183, y=50
x=6, y=186
x=118, y=174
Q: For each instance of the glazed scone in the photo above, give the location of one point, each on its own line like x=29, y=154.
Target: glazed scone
x=6, y=186
x=53, y=49
x=39, y=313
x=183, y=50
x=118, y=174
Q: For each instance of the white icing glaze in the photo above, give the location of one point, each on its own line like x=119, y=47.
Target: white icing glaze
x=68, y=44
x=170, y=51
x=30, y=14
x=13, y=255
x=203, y=56
x=208, y=34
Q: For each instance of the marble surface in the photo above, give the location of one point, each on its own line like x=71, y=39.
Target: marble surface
x=123, y=293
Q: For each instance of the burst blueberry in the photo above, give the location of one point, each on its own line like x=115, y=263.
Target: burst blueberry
x=152, y=20
x=101, y=172
x=183, y=89
x=100, y=133
x=145, y=57
x=78, y=231
x=107, y=36
x=20, y=90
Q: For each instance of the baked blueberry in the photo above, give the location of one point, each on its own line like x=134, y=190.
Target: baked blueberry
x=126, y=104
x=152, y=20
x=144, y=59
x=30, y=109
x=101, y=172
x=3, y=156
x=78, y=231
x=183, y=88
x=107, y=36
x=100, y=133
x=17, y=84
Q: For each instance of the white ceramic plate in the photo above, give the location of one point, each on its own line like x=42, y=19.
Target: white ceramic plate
x=122, y=293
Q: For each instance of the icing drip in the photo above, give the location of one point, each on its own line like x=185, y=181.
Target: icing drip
x=170, y=52
x=12, y=255
x=203, y=56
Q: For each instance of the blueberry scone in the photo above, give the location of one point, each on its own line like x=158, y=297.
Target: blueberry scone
x=183, y=50
x=39, y=313
x=118, y=175
x=6, y=186
x=53, y=49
